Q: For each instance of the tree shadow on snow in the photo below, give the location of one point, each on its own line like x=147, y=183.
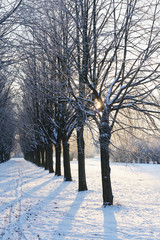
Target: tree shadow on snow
x=110, y=223
x=43, y=202
x=65, y=225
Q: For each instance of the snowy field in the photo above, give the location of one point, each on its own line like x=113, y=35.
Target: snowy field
x=36, y=205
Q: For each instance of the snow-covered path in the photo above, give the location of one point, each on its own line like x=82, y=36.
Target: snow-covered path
x=36, y=205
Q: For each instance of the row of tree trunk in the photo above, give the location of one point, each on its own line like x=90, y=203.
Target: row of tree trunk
x=4, y=156
x=42, y=156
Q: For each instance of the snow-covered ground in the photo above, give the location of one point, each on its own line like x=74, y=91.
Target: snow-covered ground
x=37, y=205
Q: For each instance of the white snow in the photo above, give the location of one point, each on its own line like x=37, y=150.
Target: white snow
x=36, y=205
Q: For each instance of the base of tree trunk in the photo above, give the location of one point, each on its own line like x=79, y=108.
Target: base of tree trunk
x=82, y=188
x=67, y=179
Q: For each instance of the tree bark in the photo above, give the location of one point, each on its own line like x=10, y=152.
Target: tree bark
x=50, y=157
x=42, y=156
x=46, y=158
x=66, y=160
x=37, y=156
x=6, y=156
x=81, y=159
x=105, y=134
x=26, y=156
x=31, y=158
x=58, y=158
x=1, y=156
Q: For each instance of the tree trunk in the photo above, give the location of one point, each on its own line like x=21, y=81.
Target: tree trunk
x=81, y=159
x=66, y=160
x=6, y=157
x=31, y=158
x=42, y=156
x=26, y=156
x=37, y=156
x=1, y=156
x=46, y=158
x=58, y=158
x=105, y=134
x=50, y=157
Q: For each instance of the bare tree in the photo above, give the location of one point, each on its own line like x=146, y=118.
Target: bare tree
x=119, y=41
x=56, y=121
x=7, y=10
x=7, y=123
x=106, y=57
